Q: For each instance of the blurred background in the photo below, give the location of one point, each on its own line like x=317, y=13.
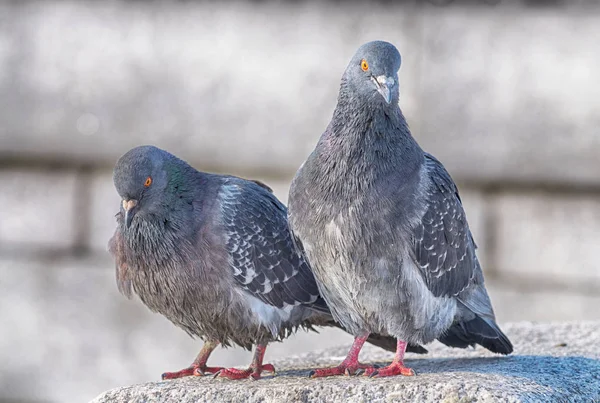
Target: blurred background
x=505, y=93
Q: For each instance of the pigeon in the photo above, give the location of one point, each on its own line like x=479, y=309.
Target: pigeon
x=213, y=254
x=383, y=228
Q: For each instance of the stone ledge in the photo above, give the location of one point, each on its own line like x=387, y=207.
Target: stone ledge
x=552, y=362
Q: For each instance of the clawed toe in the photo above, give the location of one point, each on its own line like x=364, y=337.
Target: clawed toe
x=191, y=371
x=202, y=371
x=395, y=368
x=342, y=369
x=179, y=374
x=252, y=373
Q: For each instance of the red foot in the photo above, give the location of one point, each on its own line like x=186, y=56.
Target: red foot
x=193, y=370
x=395, y=368
x=253, y=372
x=350, y=365
x=342, y=369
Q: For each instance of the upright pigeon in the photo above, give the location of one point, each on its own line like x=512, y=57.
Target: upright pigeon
x=214, y=255
x=383, y=227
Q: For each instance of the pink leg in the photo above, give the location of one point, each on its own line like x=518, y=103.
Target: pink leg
x=198, y=367
x=396, y=367
x=254, y=371
x=350, y=365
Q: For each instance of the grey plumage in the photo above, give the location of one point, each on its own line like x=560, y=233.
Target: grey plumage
x=211, y=253
x=382, y=224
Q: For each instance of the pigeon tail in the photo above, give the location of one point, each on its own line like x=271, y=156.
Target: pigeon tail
x=477, y=331
x=477, y=324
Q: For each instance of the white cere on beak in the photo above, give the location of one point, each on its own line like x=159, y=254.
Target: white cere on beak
x=387, y=81
x=384, y=84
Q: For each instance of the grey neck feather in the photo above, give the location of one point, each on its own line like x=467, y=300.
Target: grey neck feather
x=167, y=233
x=365, y=140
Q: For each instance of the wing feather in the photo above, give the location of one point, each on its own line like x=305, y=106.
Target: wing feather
x=263, y=258
x=444, y=247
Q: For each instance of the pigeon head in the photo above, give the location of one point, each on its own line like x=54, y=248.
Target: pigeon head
x=142, y=177
x=373, y=72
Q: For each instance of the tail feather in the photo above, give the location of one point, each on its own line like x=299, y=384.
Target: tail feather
x=476, y=323
x=477, y=331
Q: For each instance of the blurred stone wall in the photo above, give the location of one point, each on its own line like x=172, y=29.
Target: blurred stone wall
x=506, y=95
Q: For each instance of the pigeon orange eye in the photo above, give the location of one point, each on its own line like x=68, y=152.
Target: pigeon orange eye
x=148, y=181
x=364, y=65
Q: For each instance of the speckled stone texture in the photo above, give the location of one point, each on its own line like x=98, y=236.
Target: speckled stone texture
x=551, y=363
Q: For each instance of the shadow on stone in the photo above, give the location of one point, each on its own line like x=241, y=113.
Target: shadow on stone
x=546, y=371
x=571, y=375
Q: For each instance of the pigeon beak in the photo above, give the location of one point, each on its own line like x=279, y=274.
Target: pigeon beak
x=384, y=84
x=129, y=207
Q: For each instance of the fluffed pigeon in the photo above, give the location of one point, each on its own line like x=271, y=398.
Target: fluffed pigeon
x=383, y=227
x=214, y=255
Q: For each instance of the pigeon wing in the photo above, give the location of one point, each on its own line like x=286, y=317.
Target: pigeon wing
x=262, y=256
x=443, y=244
